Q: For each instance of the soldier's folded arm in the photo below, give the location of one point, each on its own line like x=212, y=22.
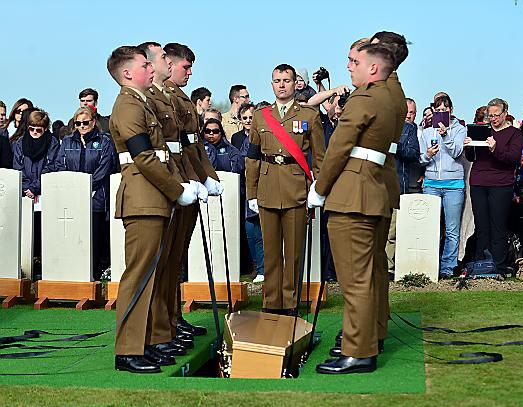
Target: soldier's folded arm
x=134, y=132
x=253, y=162
x=358, y=113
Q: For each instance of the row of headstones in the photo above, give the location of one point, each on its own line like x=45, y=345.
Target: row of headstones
x=67, y=233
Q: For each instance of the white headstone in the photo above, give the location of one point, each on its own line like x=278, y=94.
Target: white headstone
x=27, y=237
x=10, y=222
x=316, y=250
x=66, y=227
x=417, y=236
x=117, y=233
x=212, y=220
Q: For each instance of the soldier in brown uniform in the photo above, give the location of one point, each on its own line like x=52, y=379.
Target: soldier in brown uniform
x=354, y=162
x=277, y=185
x=162, y=105
x=399, y=46
x=150, y=185
x=182, y=58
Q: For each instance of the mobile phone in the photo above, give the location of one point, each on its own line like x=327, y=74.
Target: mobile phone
x=440, y=117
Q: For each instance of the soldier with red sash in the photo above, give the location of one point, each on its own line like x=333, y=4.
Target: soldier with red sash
x=277, y=176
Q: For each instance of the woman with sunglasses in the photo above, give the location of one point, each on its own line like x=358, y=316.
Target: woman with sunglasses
x=492, y=183
x=223, y=155
x=35, y=154
x=13, y=121
x=90, y=151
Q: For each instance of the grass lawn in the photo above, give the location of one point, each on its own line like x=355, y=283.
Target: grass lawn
x=493, y=384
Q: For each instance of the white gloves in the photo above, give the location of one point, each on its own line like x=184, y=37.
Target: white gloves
x=189, y=194
x=201, y=190
x=253, y=205
x=314, y=199
x=213, y=187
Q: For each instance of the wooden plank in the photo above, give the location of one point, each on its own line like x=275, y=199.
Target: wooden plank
x=69, y=290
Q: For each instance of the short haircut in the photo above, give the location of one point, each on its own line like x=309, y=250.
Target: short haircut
x=398, y=43
x=179, y=51
x=200, y=94
x=500, y=103
x=261, y=105
x=146, y=47
x=243, y=108
x=359, y=43
x=410, y=100
x=383, y=52
x=38, y=118
x=443, y=99
x=286, y=67
x=121, y=56
x=212, y=110
x=87, y=92
x=235, y=91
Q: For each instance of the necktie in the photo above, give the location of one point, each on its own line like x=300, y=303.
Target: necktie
x=282, y=111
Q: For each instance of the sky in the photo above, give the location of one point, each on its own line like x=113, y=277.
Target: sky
x=50, y=50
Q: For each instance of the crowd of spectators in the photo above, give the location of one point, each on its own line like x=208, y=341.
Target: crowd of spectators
x=431, y=158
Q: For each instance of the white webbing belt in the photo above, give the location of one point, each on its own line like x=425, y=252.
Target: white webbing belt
x=125, y=157
x=393, y=148
x=175, y=147
x=191, y=137
x=367, y=154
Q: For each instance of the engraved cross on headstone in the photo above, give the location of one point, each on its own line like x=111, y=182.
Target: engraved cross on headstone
x=65, y=219
x=416, y=251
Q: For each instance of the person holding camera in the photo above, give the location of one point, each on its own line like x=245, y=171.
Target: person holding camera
x=492, y=182
x=441, y=147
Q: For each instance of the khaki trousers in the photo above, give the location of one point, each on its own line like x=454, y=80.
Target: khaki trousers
x=352, y=239
x=381, y=272
x=143, y=236
x=283, y=231
x=390, y=248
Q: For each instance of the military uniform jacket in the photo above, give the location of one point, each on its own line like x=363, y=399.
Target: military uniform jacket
x=149, y=186
x=400, y=106
x=166, y=113
x=352, y=184
x=188, y=121
x=283, y=186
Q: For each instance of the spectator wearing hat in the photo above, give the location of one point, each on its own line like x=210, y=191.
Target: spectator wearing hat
x=303, y=89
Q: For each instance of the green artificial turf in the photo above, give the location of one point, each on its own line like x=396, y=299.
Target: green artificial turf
x=401, y=368
x=488, y=385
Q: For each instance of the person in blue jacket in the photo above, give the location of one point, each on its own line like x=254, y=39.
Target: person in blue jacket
x=91, y=151
x=223, y=155
x=35, y=154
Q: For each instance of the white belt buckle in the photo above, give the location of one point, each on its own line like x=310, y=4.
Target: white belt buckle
x=191, y=137
x=279, y=159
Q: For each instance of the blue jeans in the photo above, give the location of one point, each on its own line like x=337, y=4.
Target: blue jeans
x=452, y=204
x=255, y=241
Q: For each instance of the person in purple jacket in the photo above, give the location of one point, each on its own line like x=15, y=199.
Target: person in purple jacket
x=492, y=182
x=90, y=150
x=35, y=154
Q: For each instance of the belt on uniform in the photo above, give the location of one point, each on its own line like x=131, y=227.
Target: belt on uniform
x=175, y=147
x=188, y=138
x=393, y=148
x=367, y=154
x=125, y=157
x=278, y=159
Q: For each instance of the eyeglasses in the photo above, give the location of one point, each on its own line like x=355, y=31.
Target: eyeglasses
x=19, y=111
x=79, y=123
x=244, y=96
x=37, y=130
x=246, y=117
x=212, y=131
x=496, y=116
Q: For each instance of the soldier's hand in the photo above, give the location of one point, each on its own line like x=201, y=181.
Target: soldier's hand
x=202, y=192
x=188, y=196
x=314, y=199
x=253, y=205
x=214, y=188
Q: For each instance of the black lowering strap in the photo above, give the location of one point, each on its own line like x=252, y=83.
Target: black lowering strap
x=210, y=277
x=226, y=255
x=29, y=336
